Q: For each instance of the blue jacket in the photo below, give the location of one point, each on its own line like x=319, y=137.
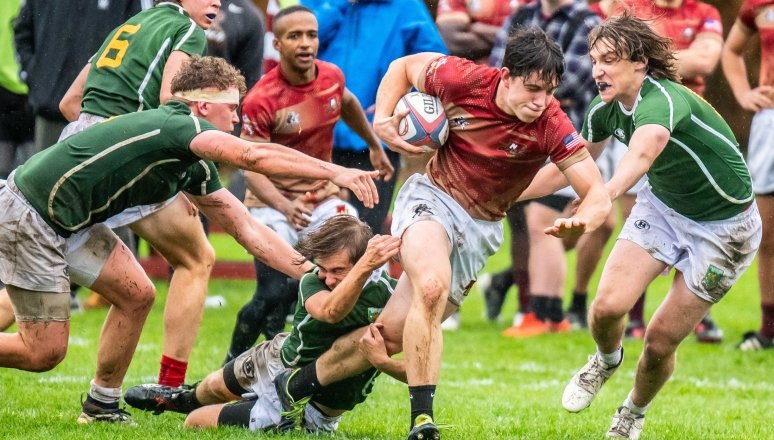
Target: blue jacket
x=363, y=38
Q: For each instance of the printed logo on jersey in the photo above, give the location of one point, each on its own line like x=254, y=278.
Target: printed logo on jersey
x=769, y=17
x=332, y=106
x=712, y=25
x=511, y=149
x=293, y=118
x=437, y=63
x=459, y=121
x=373, y=313
x=712, y=277
x=421, y=209
x=619, y=133
x=688, y=34
x=247, y=125
x=572, y=141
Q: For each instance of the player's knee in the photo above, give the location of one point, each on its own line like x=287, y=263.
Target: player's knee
x=606, y=307
x=45, y=359
x=434, y=293
x=658, y=345
x=393, y=347
x=143, y=299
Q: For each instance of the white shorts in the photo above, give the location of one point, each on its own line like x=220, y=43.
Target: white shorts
x=279, y=223
x=87, y=251
x=473, y=240
x=711, y=255
x=32, y=254
x=129, y=215
x=760, y=152
x=255, y=370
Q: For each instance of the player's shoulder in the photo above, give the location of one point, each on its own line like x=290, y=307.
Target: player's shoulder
x=329, y=72
x=266, y=89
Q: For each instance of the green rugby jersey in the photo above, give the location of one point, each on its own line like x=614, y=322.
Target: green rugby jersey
x=125, y=74
x=701, y=173
x=310, y=338
x=131, y=160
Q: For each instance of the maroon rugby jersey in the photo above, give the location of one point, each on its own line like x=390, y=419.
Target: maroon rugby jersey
x=758, y=15
x=300, y=117
x=490, y=157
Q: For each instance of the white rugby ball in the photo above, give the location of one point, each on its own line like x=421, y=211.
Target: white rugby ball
x=426, y=124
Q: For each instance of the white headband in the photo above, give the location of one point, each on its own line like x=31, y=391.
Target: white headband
x=230, y=96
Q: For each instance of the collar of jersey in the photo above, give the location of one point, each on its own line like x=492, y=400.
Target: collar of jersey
x=174, y=5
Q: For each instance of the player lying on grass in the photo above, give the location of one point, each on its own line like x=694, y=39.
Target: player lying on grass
x=346, y=290
x=51, y=208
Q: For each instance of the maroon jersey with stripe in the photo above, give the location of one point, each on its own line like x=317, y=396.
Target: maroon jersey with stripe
x=300, y=117
x=490, y=157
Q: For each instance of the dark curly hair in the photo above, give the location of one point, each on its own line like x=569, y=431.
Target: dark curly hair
x=202, y=72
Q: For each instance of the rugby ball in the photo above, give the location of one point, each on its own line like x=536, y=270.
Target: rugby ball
x=425, y=125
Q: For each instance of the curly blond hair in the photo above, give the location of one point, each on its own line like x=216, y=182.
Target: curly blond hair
x=203, y=72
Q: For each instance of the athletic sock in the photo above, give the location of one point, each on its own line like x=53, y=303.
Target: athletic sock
x=767, y=320
x=578, y=304
x=639, y=410
x=637, y=313
x=554, y=310
x=304, y=383
x=187, y=401
x=421, y=401
x=172, y=371
x=521, y=279
x=611, y=359
x=103, y=395
x=540, y=306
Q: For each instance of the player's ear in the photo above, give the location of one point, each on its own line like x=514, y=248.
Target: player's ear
x=201, y=108
x=505, y=76
x=275, y=43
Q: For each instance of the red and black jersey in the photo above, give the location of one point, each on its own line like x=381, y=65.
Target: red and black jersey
x=490, y=156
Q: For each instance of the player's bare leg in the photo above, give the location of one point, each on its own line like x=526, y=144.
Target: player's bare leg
x=619, y=288
x=177, y=233
x=673, y=321
x=124, y=283
x=38, y=345
x=6, y=311
x=547, y=271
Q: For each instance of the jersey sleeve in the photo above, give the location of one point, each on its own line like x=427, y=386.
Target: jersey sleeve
x=257, y=120
x=309, y=285
x=180, y=129
x=747, y=14
x=560, y=138
x=203, y=179
x=594, y=127
x=661, y=108
x=711, y=23
x=190, y=40
x=449, y=77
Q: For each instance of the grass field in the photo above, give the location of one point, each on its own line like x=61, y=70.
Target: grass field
x=491, y=387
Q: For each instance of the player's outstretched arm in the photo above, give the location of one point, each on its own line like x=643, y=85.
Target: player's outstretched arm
x=646, y=144
x=259, y=240
x=595, y=204
x=277, y=160
x=403, y=74
x=333, y=306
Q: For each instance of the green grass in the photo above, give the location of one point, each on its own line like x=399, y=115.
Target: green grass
x=491, y=387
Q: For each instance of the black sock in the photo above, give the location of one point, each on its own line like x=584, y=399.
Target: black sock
x=186, y=401
x=304, y=383
x=421, y=401
x=554, y=310
x=578, y=302
x=539, y=304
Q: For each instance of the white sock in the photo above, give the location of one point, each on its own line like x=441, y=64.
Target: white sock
x=104, y=394
x=639, y=410
x=611, y=359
